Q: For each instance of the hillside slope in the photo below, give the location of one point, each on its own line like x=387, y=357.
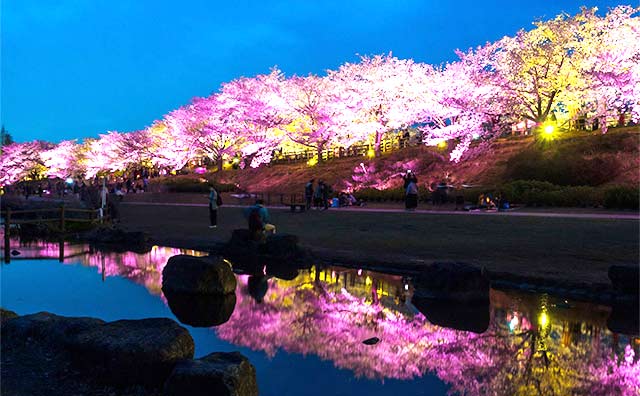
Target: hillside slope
x=615, y=156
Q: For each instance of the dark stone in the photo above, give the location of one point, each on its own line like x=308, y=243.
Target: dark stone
x=453, y=282
x=283, y=270
x=624, y=318
x=198, y=275
x=220, y=374
x=625, y=279
x=6, y=315
x=371, y=341
x=258, y=286
x=132, y=351
x=117, y=239
x=274, y=249
x=281, y=245
x=47, y=327
x=15, y=252
x=472, y=317
x=201, y=310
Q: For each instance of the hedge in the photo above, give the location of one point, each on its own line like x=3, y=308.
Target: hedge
x=181, y=184
x=528, y=192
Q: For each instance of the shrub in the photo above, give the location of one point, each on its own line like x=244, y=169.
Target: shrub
x=622, y=197
x=564, y=167
x=182, y=184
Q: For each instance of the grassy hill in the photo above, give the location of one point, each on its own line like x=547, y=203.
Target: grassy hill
x=570, y=159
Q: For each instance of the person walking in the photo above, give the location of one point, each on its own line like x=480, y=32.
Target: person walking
x=308, y=193
x=213, y=207
x=411, y=196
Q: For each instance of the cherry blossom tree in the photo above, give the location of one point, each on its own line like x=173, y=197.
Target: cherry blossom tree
x=22, y=160
x=612, y=70
x=389, y=93
x=63, y=160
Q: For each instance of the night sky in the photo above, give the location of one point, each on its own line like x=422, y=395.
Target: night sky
x=77, y=68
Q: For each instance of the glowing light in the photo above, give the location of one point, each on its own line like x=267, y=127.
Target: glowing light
x=543, y=320
x=367, y=281
x=371, y=153
x=406, y=287
x=69, y=180
x=360, y=272
x=549, y=129
x=236, y=160
x=442, y=144
x=313, y=161
x=513, y=323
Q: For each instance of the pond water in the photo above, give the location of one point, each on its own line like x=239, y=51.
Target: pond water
x=305, y=333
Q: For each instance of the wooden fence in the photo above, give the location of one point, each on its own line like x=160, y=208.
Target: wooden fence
x=357, y=150
x=59, y=215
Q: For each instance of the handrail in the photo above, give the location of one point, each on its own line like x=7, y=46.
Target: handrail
x=59, y=218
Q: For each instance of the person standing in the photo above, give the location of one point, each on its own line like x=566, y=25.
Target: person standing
x=213, y=207
x=411, y=196
x=308, y=193
x=408, y=178
x=326, y=190
x=317, y=195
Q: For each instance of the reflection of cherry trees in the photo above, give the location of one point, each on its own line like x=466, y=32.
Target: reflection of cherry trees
x=331, y=322
x=533, y=346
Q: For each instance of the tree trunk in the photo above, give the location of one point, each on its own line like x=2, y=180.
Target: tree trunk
x=378, y=141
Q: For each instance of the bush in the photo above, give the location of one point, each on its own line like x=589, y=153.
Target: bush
x=563, y=167
x=182, y=184
x=622, y=197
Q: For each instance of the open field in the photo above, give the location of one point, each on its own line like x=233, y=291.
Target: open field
x=575, y=250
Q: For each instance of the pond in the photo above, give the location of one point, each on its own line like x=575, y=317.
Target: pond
x=304, y=333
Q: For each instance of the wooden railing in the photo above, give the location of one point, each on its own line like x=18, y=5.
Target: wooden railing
x=59, y=215
x=357, y=150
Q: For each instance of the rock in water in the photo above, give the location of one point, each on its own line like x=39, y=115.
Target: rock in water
x=132, y=351
x=198, y=275
x=453, y=282
x=220, y=374
x=201, y=310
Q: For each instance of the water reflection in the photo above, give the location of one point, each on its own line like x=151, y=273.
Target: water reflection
x=520, y=344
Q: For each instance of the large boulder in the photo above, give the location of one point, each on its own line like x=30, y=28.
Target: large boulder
x=472, y=317
x=220, y=374
x=281, y=245
x=625, y=279
x=132, y=351
x=201, y=310
x=273, y=249
x=198, y=275
x=46, y=327
x=117, y=239
x=451, y=281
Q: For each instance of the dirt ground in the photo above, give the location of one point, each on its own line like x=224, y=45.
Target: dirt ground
x=572, y=250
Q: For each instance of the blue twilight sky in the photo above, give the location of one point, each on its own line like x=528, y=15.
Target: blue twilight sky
x=77, y=68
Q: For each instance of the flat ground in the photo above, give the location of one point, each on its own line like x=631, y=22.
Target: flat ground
x=575, y=250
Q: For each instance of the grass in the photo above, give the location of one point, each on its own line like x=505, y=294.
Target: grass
x=580, y=250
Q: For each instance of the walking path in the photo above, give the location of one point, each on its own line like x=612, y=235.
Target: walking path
x=516, y=213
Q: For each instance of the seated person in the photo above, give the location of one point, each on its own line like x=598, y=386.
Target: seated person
x=258, y=217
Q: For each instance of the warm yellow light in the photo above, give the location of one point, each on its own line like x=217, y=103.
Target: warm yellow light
x=549, y=129
x=371, y=153
x=442, y=144
x=367, y=281
x=543, y=320
x=313, y=161
x=236, y=160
